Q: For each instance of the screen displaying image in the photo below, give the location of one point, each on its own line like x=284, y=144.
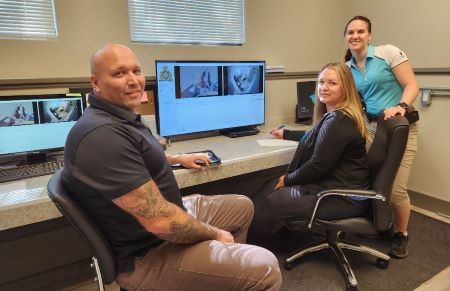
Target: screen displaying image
x=16, y=113
x=60, y=110
x=244, y=79
x=233, y=95
x=197, y=81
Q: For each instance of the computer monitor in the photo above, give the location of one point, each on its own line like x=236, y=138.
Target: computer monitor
x=33, y=126
x=200, y=96
x=305, y=101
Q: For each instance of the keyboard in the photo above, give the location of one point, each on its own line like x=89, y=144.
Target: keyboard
x=29, y=171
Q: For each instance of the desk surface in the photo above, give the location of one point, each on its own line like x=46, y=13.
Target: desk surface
x=25, y=201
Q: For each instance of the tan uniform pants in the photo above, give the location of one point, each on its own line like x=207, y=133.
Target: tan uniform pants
x=208, y=265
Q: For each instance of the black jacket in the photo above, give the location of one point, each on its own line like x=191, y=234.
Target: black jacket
x=330, y=155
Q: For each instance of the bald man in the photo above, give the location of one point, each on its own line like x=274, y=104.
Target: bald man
x=120, y=175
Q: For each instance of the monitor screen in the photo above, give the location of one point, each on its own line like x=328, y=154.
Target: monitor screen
x=305, y=101
x=198, y=96
x=37, y=123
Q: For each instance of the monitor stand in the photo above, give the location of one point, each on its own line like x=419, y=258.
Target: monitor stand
x=240, y=131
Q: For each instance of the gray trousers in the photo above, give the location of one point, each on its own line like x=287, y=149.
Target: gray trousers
x=208, y=265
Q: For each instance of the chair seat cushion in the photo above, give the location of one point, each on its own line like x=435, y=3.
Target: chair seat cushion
x=358, y=225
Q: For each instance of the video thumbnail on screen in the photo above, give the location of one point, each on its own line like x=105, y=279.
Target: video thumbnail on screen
x=244, y=79
x=60, y=110
x=16, y=113
x=197, y=81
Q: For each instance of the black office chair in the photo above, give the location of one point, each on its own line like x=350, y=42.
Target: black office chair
x=385, y=155
x=102, y=258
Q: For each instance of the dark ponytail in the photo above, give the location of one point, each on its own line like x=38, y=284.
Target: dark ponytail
x=348, y=55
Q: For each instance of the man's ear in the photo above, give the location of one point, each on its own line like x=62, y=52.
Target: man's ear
x=94, y=83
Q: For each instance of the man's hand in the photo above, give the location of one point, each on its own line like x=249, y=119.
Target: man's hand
x=194, y=161
x=191, y=161
x=224, y=236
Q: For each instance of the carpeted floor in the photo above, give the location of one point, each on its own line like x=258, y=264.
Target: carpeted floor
x=429, y=253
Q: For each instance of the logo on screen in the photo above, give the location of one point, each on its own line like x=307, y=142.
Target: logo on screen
x=166, y=74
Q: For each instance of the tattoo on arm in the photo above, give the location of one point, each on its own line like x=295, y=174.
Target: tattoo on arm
x=190, y=231
x=148, y=205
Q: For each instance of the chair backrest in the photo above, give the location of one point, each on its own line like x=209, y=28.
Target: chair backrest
x=385, y=155
x=90, y=232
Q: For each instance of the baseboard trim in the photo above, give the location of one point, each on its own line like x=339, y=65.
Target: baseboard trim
x=431, y=204
x=431, y=195
x=428, y=213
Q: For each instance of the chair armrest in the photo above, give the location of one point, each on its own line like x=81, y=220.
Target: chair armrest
x=371, y=194
x=351, y=193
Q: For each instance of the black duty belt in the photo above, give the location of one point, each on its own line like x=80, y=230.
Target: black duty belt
x=372, y=118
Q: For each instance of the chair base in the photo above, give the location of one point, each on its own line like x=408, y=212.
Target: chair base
x=336, y=248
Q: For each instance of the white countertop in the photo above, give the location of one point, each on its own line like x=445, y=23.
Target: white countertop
x=26, y=201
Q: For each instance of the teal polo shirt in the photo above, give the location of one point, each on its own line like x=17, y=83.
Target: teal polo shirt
x=376, y=82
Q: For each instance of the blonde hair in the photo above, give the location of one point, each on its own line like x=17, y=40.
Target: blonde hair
x=350, y=102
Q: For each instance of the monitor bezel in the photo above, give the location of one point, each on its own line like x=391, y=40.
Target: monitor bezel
x=263, y=62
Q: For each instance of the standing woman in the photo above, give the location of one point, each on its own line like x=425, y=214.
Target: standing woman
x=384, y=77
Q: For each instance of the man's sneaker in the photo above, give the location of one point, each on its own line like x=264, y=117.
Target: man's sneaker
x=399, y=248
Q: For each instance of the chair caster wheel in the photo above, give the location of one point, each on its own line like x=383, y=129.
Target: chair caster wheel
x=382, y=264
x=352, y=288
x=287, y=265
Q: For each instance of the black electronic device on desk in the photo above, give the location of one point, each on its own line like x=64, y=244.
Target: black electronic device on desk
x=240, y=132
x=33, y=130
x=214, y=160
